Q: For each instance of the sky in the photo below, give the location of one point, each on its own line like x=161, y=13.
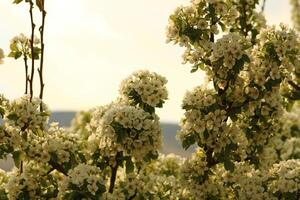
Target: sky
x=92, y=45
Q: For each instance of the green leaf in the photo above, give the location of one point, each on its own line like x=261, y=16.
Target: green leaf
x=15, y=54
x=188, y=141
x=17, y=158
x=45, y=114
x=11, y=54
x=160, y=104
x=17, y=1
x=2, y=112
x=101, y=190
x=223, y=27
x=290, y=196
x=150, y=156
x=18, y=54
x=229, y=165
x=12, y=116
x=129, y=166
x=13, y=46
x=194, y=69
x=246, y=58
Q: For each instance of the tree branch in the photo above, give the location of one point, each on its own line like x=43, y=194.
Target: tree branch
x=40, y=70
x=294, y=85
x=26, y=74
x=263, y=6
x=114, y=170
x=32, y=50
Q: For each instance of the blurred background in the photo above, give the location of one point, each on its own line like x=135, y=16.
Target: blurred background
x=92, y=45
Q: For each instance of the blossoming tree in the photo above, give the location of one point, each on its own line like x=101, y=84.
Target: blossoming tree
x=245, y=120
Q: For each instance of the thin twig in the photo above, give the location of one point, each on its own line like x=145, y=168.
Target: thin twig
x=26, y=74
x=40, y=70
x=263, y=6
x=32, y=49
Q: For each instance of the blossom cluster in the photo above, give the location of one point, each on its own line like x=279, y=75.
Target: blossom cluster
x=205, y=123
x=197, y=22
x=83, y=181
x=130, y=130
x=157, y=180
x=20, y=45
x=284, y=179
x=56, y=147
x=196, y=178
x=199, y=98
x=230, y=47
x=80, y=123
x=144, y=88
x=10, y=139
x=28, y=184
x=246, y=181
x=276, y=53
x=3, y=181
x=25, y=114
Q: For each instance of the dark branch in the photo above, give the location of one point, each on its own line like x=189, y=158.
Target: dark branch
x=294, y=85
x=263, y=6
x=40, y=70
x=32, y=50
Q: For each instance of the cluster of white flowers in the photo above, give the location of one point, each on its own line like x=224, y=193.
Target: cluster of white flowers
x=246, y=182
x=25, y=114
x=290, y=123
x=83, y=181
x=20, y=45
x=188, y=24
x=80, y=123
x=230, y=48
x=204, y=123
x=28, y=184
x=128, y=129
x=295, y=13
x=10, y=139
x=195, y=169
x=169, y=165
x=198, y=180
x=199, y=98
x=195, y=27
x=291, y=149
x=144, y=87
x=284, y=178
x=55, y=146
x=150, y=186
x=157, y=180
x=2, y=56
x=3, y=181
x=275, y=54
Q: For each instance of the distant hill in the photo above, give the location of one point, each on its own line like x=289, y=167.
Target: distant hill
x=170, y=144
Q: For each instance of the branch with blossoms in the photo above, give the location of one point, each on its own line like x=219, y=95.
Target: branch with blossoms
x=232, y=122
x=244, y=120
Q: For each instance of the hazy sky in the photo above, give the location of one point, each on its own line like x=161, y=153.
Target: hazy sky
x=92, y=45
